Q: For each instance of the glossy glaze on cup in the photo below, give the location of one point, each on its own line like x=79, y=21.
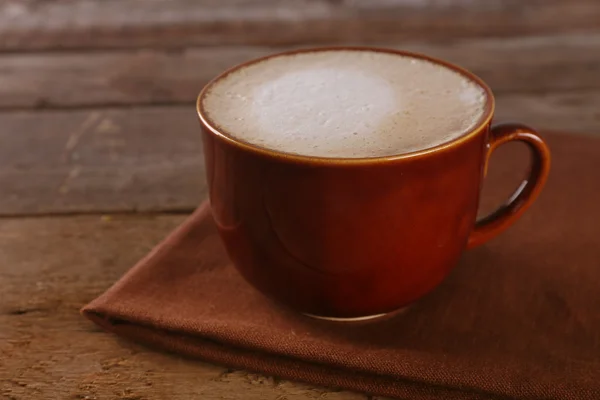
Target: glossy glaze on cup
x=355, y=237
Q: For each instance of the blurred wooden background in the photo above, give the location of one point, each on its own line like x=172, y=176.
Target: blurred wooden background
x=127, y=73
x=97, y=122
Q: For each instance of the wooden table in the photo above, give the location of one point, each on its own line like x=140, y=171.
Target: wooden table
x=100, y=155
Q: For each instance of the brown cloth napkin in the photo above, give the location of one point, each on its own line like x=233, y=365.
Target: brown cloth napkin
x=518, y=318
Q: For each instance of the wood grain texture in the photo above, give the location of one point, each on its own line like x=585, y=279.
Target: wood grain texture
x=76, y=24
x=150, y=158
x=122, y=159
x=49, y=268
x=536, y=64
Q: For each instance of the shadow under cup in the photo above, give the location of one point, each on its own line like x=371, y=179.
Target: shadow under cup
x=358, y=238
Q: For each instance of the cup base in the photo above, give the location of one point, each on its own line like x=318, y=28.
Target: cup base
x=365, y=318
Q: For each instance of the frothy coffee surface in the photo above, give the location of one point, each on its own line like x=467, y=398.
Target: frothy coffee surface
x=344, y=103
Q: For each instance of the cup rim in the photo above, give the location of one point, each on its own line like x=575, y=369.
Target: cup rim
x=481, y=124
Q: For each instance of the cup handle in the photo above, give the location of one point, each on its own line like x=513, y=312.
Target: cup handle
x=496, y=222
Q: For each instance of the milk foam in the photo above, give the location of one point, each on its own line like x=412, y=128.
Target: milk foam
x=345, y=104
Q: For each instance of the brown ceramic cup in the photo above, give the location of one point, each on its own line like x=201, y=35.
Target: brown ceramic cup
x=355, y=238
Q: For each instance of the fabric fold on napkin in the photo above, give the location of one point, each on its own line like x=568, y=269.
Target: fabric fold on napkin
x=517, y=318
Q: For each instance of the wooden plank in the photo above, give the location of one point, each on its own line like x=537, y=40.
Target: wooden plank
x=150, y=158
x=124, y=159
x=47, y=350
x=576, y=112
x=77, y=24
x=536, y=64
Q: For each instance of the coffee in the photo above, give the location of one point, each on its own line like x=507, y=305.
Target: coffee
x=345, y=103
